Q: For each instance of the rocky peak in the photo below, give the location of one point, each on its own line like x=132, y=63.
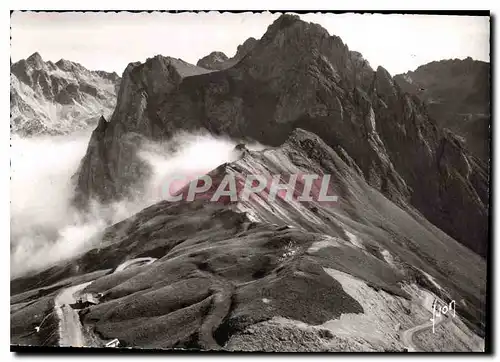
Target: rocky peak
x=160, y=64
x=358, y=60
x=309, y=143
x=64, y=64
x=158, y=75
x=286, y=40
x=101, y=125
x=214, y=60
x=24, y=67
x=35, y=60
x=143, y=88
x=383, y=73
x=290, y=44
x=110, y=76
x=69, y=66
x=384, y=84
x=290, y=30
x=244, y=48
x=283, y=22
x=299, y=136
x=219, y=60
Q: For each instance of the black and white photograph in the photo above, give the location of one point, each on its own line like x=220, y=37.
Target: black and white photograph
x=250, y=181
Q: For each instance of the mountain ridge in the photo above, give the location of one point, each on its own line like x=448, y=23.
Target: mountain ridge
x=225, y=272
x=375, y=123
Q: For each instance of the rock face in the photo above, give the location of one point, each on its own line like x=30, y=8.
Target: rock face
x=58, y=98
x=297, y=75
x=214, y=61
x=111, y=160
x=219, y=60
x=457, y=95
x=228, y=274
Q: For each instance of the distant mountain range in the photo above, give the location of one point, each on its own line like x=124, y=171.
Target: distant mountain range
x=58, y=98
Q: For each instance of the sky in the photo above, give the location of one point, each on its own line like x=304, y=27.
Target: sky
x=109, y=41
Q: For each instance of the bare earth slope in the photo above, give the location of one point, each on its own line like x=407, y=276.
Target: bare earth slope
x=303, y=275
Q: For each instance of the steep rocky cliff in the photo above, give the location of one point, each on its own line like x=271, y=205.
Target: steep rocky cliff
x=457, y=95
x=111, y=160
x=58, y=98
x=297, y=75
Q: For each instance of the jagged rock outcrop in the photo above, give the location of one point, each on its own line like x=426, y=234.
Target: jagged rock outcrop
x=58, y=98
x=457, y=95
x=214, y=61
x=297, y=75
x=219, y=60
x=111, y=160
x=297, y=272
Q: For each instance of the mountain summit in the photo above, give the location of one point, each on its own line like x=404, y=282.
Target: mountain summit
x=218, y=60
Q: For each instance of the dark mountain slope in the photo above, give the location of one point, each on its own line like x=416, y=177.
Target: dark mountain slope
x=227, y=272
x=457, y=95
x=298, y=75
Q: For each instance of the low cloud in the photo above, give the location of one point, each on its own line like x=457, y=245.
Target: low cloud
x=46, y=228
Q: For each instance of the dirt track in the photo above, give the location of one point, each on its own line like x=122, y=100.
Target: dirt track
x=70, y=328
x=407, y=335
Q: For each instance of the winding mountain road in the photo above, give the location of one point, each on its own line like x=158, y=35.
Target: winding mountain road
x=71, y=332
x=408, y=335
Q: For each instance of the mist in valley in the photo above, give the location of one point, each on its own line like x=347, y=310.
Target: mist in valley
x=47, y=229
